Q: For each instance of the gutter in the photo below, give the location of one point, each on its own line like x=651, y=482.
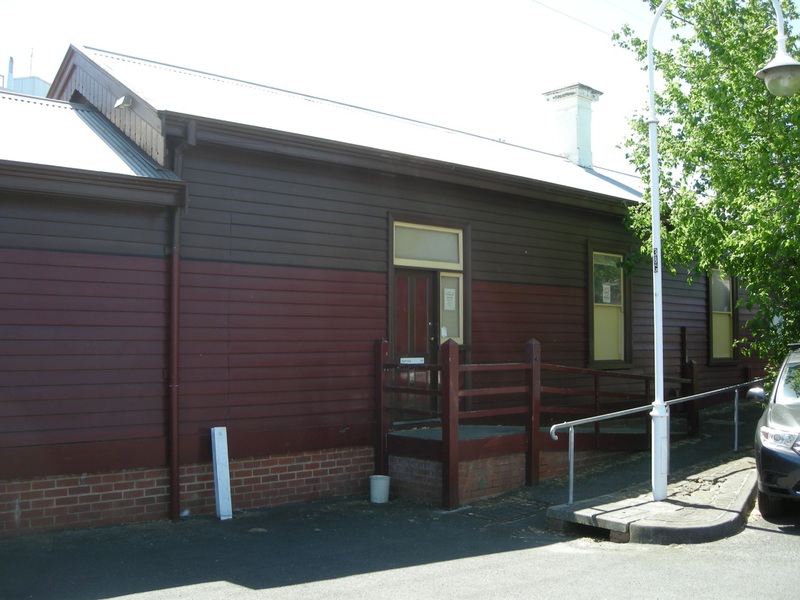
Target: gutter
x=174, y=332
x=59, y=183
x=257, y=139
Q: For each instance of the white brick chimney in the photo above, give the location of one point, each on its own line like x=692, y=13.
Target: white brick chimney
x=573, y=105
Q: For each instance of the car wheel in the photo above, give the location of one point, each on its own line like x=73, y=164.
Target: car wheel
x=769, y=506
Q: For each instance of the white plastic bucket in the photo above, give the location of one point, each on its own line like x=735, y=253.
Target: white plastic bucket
x=379, y=489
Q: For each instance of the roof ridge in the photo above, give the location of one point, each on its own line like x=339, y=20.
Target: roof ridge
x=313, y=98
x=221, y=98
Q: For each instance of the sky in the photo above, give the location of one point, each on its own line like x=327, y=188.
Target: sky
x=480, y=66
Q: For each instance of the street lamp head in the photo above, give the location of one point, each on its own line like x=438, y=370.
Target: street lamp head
x=781, y=75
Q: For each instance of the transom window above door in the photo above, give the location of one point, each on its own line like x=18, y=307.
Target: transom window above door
x=428, y=247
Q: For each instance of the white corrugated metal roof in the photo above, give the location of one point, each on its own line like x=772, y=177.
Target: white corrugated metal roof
x=184, y=91
x=61, y=134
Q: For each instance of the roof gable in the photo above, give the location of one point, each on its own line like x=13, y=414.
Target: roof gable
x=68, y=135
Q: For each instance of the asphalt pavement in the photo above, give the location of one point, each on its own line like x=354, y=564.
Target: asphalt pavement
x=710, y=484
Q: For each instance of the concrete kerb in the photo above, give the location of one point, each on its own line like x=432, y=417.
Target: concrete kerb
x=701, y=507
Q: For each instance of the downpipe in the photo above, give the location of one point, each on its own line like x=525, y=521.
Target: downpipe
x=174, y=332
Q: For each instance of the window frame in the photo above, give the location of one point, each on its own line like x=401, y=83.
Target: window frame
x=626, y=362
x=428, y=264
x=734, y=321
x=459, y=276
x=463, y=269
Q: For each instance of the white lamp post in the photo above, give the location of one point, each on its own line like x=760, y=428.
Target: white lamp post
x=782, y=78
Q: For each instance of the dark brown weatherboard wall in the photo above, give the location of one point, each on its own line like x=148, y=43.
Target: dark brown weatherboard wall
x=83, y=312
x=283, y=297
x=284, y=291
x=281, y=356
x=283, y=294
x=316, y=236
x=528, y=257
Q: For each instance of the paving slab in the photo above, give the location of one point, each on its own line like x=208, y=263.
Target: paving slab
x=700, y=507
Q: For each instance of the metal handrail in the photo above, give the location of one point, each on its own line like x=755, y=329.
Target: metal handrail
x=630, y=411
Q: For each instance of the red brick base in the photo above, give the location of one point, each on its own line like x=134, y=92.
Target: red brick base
x=415, y=479
x=421, y=480
x=260, y=482
x=90, y=500
x=95, y=499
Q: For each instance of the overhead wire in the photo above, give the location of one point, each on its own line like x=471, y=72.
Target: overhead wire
x=569, y=16
x=644, y=23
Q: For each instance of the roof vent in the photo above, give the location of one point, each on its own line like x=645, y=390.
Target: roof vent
x=573, y=106
x=124, y=102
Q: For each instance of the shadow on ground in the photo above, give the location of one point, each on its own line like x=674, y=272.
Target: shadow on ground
x=258, y=549
x=318, y=541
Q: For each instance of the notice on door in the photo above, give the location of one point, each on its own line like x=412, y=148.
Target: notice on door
x=606, y=293
x=450, y=299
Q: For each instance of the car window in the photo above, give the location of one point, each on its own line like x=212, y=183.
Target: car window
x=789, y=390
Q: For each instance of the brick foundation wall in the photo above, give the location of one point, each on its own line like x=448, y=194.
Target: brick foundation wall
x=489, y=477
x=96, y=499
x=82, y=500
x=421, y=480
x=283, y=479
x=415, y=479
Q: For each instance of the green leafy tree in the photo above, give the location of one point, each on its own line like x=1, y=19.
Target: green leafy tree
x=730, y=158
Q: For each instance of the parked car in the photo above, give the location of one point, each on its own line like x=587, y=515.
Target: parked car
x=777, y=442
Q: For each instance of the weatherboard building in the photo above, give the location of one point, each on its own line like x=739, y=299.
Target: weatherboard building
x=181, y=251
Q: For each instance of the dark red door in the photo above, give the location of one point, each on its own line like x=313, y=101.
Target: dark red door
x=415, y=339
x=416, y=315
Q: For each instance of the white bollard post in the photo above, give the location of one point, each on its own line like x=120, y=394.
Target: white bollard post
x=222, y=477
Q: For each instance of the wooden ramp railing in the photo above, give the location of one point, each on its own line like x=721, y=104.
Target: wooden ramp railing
x=449, y=394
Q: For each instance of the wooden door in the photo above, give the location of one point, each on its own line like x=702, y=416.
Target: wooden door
x=416, y=315
x=415, y=333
